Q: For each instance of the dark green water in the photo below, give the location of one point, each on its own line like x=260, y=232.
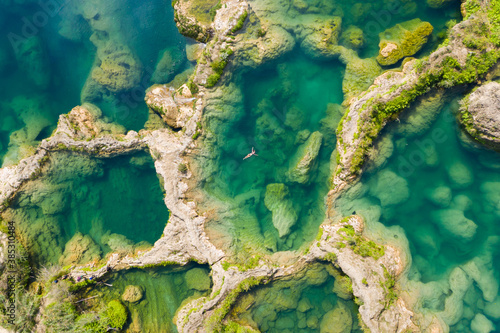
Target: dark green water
x=165, y=290
x=46, y=57
x=116, y=202
x=312, y=301
x=445, y=194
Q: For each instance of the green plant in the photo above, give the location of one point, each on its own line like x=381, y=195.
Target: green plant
x=241, y=21
x=214, y=9
x=115, y=315
x=183, y=168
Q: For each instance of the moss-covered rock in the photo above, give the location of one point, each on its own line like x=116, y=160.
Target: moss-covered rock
x=81, y=249
x=338, y=320
x=359, y=75
x=438, y=3
x=132, y=294
x=118, y=68
x=304, y=160
x=320, y=35
x=284, y=215
x=169, y=63
x=352, y=38
x=403, y=40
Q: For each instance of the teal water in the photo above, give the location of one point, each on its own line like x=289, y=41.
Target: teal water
x=164, y=291
x=282, y=103
x=46, y=57
x=89, y=207
x=443, y=191
x=312, y=301
x=281, y=100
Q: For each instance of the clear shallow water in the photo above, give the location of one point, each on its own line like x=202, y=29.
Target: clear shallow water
x=444, y=193
x=283, y=102
x=310, y=302
x=280, y=100
x=116, y=202
x=46, y=57
x=165, y=290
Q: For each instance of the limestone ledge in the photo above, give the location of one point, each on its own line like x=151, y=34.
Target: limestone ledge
x=385, y=89
x=367, y=275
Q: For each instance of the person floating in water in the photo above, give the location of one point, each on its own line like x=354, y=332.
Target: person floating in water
x=251, y=154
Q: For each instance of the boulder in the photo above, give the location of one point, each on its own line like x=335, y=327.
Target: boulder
x=284, y=215
x=492, y=309
x=389, y=188
x=198, y=279
x=481, y=324
x=352, y=37
x=403, y=40
x=454, y=223
x=79, y=250
x=440, y=196
x=338, y=320
x=304, y=160
x=118, y=69
x=169, y=63
x=304, y=305
x=481, y=114
x=438, y=3
x=132, y=294
x=320, y=35
x=460, y=175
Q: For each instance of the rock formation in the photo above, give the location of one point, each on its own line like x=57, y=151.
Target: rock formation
x=403, y=40
x=283, y=213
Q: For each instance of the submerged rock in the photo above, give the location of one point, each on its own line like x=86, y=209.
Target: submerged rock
x=118, y=69
x=305, y=158
x=403, y=40
x=338, y=320
x=81, y=249
x=132, y=294
x=460, y=175
x=454, y=222
x=284, y=215
x=320, y=35
x=440, y=196
x=352, y=37
x=389, y=188
x=32, y=59
x=481, y=324
x=198, y=279
x=169, y=63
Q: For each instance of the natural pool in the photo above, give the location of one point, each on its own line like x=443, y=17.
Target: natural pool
x=47, y=56
x=81, y=208
x=444, y=191
x=317, y=299
x=164, y=290
x=288, y=110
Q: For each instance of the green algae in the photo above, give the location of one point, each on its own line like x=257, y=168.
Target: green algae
x=313, y=300
x=43, y=74
x=164, y=291
x=81, y=208
x=447, y=209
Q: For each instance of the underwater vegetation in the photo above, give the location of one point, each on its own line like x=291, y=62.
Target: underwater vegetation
x=81, y=208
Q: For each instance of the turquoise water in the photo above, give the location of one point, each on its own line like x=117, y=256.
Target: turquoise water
x=444, y=192
x=282, y=103
x=46, y=57
x=116, y=202
x=164, y=291
x=310, y=302
x=281, y=100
